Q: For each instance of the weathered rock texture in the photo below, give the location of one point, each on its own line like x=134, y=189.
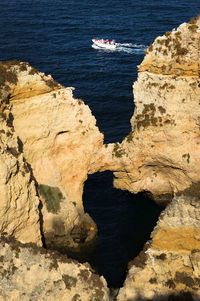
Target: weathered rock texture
x=161, y=154
x=19, y=213
x=58, y=132
x=31, y=273
x=59, y=137
x=50, y=142
x=46, y=144
x=170, y=264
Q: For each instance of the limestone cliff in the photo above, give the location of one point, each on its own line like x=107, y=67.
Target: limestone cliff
x=47, y=139
x=164, y=145
x=49, y=144
x=58, y=137
x=161, y=156
x=161, y=153
x=169, y=264
x=31, y=273
x=19, y=213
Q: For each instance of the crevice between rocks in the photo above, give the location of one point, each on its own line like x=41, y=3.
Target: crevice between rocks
x=124, y=223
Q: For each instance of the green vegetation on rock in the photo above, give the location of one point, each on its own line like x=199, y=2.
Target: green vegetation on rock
x=193, y=27
x=69, y=281
x=129, y=137
x=6, y=73
x=53, y=196
x=118, y=151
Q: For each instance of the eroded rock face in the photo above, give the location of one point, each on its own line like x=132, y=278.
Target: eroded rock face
x=19, y=213
x=161, y=154
x=169, y=266
x=61, y=144
x=31, y=273
x=58, y=132
x=59, y=137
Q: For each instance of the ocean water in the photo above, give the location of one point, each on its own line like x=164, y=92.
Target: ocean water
x=55, y=36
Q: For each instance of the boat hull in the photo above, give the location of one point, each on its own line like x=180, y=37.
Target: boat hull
x=104, y=45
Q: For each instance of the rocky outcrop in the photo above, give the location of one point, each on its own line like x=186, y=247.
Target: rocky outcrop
x=46, y=144
x=168, y=267
x=19, y=206
x=161, y=153
x=58, y=132
x=163, y=147
x=58, y=137
x=31, y=273
x=50, y=143
x=161, y=156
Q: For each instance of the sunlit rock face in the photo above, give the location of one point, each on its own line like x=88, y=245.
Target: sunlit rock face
x=164, y=145
x=31, y=273
x=161, y=153
x=58, y=137
x=19, y=213
x=50, y=143
x=169, y=264
x=161, y=156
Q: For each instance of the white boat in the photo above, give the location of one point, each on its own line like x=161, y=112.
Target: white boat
x=104, y=44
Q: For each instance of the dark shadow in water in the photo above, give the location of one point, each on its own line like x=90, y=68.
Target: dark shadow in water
x=124, y=222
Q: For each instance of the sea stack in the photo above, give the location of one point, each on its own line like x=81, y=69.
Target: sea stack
x=164, y=154
x=161, y=154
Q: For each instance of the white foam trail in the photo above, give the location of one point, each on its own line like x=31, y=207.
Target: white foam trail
x=135, y=50
x=131, y=45
x=125, y=47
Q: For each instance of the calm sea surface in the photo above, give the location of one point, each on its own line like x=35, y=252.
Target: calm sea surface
x=55, y=36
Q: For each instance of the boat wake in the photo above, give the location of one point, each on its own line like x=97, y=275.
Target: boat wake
x=124, y=47
x=131, y=48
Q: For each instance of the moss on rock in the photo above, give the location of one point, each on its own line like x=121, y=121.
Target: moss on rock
x=53, y=197
x=69, y=281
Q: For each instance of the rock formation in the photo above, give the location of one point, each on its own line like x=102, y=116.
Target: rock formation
x=164, y=145
x=58, y=137
x=49, y=144
x=31, y=273
x=169, y=264
x=161, y=153
x=46, y=144
x=19, y=206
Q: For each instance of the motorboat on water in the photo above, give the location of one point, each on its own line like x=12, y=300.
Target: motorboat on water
x=106, y=44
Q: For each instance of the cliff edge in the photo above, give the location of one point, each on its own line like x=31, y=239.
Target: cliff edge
x=50, y=143
x=164, y=145
x=58, y=137
x=161, y=153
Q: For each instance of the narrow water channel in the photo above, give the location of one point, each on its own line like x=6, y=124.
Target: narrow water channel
x=124, y=222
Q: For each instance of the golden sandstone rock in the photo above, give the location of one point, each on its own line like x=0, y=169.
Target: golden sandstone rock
x=164, y=152
x=169, y=266
x=58, y=137
x=19, y=206
x=161, y=154
x=50, y=143
x=28, y=272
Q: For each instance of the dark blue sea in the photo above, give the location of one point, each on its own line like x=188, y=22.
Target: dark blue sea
x=55, y=36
